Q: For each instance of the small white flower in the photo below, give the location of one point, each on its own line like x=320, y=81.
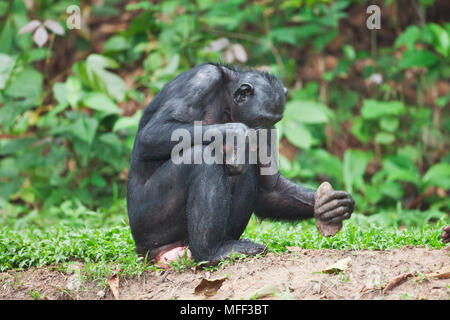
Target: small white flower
x=376, y=78
x=40, y=36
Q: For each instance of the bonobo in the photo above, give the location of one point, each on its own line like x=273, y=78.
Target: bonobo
x=207, y=206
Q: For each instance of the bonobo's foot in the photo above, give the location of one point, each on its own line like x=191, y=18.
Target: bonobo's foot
x=446, y=235
x=243, y=246
x=164, y=258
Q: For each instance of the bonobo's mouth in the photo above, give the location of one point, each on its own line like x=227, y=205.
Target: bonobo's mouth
x=267, y=122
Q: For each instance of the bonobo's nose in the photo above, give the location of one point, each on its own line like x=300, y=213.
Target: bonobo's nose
x=285, y=90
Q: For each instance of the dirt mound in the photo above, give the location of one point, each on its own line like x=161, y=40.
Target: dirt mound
x=294, y=275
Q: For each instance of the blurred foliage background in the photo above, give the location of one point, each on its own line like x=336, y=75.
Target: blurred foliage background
x=367, y=110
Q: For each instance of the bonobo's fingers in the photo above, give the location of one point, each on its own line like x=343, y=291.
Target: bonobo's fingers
x=337, y=212
x=323, y=211
x=446, y=235
x=346, y=215
x=332, y=196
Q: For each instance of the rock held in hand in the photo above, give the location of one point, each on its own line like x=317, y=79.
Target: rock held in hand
x=325, y=228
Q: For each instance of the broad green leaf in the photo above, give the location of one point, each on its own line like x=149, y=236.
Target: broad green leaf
x=384, y=138
x=389, y=123
x=6, y=36
x=309, y=92
x=9, y=146
x=391, y=189
x=73, y=91
x=127, y=122
x=408, y=38
x=354, y=167
x=101, y=102
x=401, y=168
x=285, y=35
x=410, y=152
x=97, y=61
x=372, y=109
x=307, y=111
x=327, y=163
x=6, y=66
x=297, y=134
x=360, y=129
x=438, y=175
x=60, y=93
x=116, y=43
x=85, y=129
x=108, y=147
x=418, y=58
x=153, y=61
x=27, y=84
x=441, y=39
x=349, y=52
x=172, y=66
x=93, y=72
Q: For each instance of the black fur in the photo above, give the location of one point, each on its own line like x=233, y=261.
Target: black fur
x=203, y=205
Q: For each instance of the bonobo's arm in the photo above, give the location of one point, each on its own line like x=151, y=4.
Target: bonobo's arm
x=177, y=106
x=155, y=139
x=279, y=198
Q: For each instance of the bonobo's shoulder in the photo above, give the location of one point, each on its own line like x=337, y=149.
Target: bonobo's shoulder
x=209, y=71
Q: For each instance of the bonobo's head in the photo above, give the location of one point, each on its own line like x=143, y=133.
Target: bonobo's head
x=257, y=97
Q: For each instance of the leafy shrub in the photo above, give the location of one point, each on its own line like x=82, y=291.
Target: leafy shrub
x=65, y=140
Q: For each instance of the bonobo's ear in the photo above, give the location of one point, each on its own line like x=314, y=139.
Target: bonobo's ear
x=230, y=75
x=241, y=94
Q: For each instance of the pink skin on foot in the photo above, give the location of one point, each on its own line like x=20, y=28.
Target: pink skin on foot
x=163, y=260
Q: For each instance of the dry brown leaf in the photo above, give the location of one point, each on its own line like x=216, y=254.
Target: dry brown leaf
x=268, y=290
x=209, y=287
x=339, y=266
x=113, y=284
x=443, y=273
x=397, y=280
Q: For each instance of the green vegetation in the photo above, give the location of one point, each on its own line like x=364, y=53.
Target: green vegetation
x=366, y=110
x=101, y=249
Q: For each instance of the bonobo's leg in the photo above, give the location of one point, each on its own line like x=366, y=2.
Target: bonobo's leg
x=187, y=203
x=209, y=217
x=156, y=209
x=244, y=192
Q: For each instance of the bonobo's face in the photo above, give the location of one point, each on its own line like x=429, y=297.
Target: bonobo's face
x=258, y=99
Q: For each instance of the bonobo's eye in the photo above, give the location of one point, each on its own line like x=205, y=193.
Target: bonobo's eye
x=243, y=92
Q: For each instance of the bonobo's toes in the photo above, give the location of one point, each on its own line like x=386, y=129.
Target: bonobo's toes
x=236, y=169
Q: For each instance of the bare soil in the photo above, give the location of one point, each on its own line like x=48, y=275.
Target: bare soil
x=293, y=275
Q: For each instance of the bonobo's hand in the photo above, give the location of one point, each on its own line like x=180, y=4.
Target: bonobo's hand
x=235, y=164
x=334, y=207
x=446, y=235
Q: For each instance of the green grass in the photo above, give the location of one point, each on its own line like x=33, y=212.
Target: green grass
x=105, y=250
x=355, y=235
